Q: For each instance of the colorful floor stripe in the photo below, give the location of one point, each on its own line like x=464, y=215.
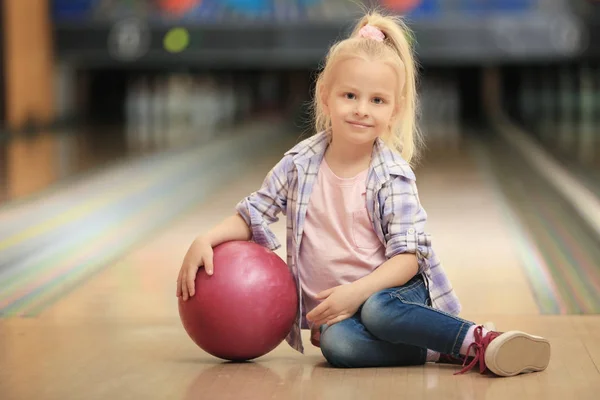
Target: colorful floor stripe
x=532, y=259
x=43, y=257
x=560, y=252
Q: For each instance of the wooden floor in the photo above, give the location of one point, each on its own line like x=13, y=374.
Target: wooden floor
x=118, y=336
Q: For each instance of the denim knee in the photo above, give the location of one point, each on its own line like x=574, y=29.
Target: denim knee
x=337, y=348
x=375, y=313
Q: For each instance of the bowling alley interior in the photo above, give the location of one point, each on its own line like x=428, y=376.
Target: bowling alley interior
x=130, y=128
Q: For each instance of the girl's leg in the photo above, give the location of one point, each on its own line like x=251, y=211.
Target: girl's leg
x=348, y=344
x=401, y=316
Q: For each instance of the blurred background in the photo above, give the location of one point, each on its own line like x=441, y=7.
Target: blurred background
x=133, y=104
x=86, y=83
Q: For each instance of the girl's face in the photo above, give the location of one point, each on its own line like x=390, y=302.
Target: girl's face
x=360, y=99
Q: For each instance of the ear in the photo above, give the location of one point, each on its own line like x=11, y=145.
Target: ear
x=398, y=108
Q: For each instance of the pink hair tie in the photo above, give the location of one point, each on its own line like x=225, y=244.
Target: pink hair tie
x=370, y=32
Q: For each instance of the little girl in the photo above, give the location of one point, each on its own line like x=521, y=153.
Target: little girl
x=371, y=288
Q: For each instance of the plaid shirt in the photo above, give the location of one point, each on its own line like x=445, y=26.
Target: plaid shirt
x=392, y=202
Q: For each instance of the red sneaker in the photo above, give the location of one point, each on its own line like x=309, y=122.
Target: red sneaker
x=508, y=353
x=449, y=359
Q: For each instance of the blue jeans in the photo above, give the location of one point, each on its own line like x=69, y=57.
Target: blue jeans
x=394, y=327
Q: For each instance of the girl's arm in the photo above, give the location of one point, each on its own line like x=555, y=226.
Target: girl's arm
x=343, y=301
x=230, y=229
x=394, y=272
x=261, y=208
x=254, y=214
x=408, y=246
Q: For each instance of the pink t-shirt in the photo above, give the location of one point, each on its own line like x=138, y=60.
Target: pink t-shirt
x=339, y=245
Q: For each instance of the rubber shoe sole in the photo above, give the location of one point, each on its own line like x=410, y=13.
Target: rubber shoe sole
x=515, y=352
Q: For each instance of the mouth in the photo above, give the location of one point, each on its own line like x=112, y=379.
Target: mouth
x=361, y=125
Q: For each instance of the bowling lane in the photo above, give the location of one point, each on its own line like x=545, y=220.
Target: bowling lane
x=457, y=213
x=118, y=334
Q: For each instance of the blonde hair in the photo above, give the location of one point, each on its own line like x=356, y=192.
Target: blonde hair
x=404, y=136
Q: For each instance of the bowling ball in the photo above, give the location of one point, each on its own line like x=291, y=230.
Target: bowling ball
x=246, y=308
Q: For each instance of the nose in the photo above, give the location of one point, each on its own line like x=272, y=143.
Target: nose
x=361, y=109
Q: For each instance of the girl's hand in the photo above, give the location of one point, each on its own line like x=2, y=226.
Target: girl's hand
x=341, y=302
x=199, y=254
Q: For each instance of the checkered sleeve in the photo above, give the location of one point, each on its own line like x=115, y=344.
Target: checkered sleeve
x=403, y=221
x=260, y=209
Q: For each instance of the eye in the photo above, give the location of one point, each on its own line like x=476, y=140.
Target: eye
x=378, y=100
x=349, y=96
